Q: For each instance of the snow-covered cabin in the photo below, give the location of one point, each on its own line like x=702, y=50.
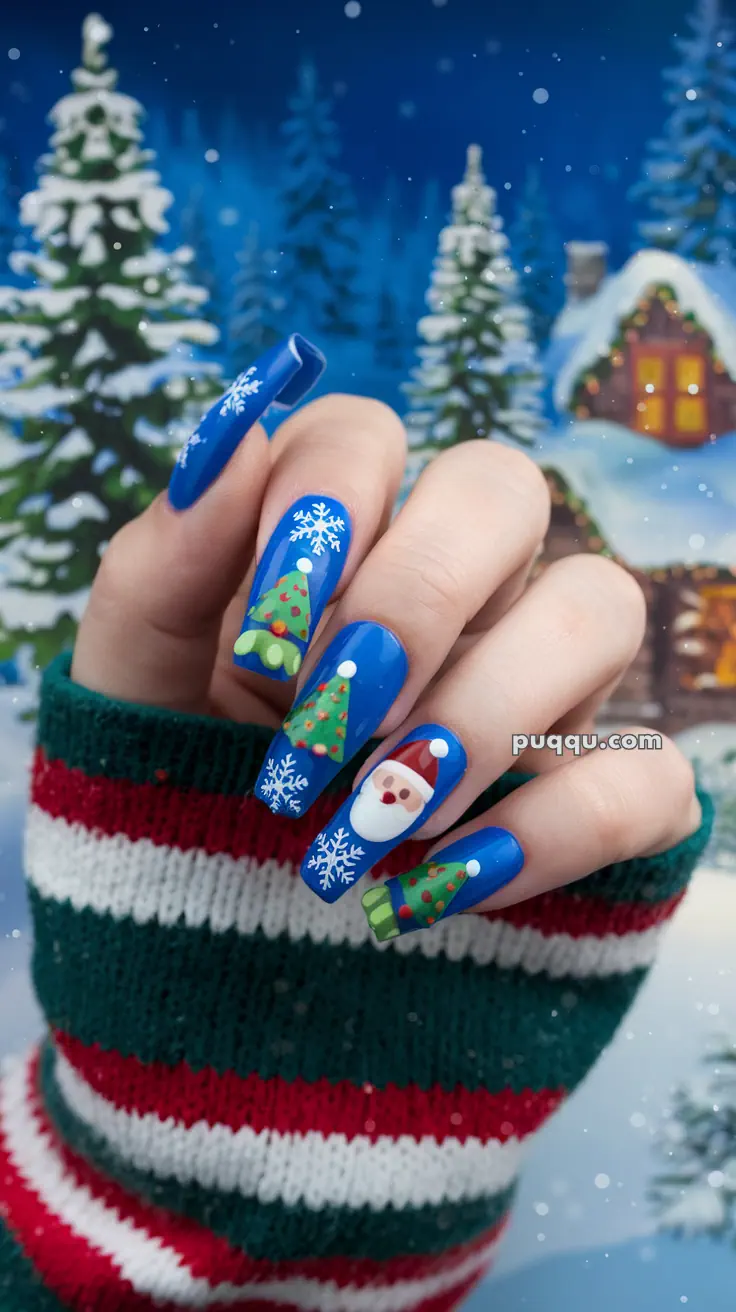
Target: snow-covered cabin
x=641, y=461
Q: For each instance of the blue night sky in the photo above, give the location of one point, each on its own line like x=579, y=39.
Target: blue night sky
x=413, y=81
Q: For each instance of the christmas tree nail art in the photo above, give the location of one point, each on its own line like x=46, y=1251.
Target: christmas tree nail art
x=455, y=879
x=393, y=800
x=295, y=578
x=286, y=609
x=343, y=703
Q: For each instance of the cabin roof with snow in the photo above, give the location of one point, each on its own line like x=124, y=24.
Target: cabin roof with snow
x=656, y=505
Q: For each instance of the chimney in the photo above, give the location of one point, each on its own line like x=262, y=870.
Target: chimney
x=586, y=268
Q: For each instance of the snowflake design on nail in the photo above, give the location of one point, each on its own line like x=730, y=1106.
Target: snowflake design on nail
x=334, y=859
x=282, y=785
x=318, y=527
x=183, y=456
x=233, y=402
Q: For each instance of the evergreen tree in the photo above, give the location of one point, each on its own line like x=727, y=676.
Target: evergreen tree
x=697, y=1192
x=203, y=265
x=537, y=252
x=320, y=225
x=257, y=309
x=478, y=374
x=689, y=183
x=110, y=386
x=319, y=723
x=389, y=335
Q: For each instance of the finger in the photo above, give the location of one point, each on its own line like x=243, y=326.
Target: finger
x=528, y=670
x=337, y=467
x=570, y=736
x=592, y=813
x=151, y=627
x=411, y=598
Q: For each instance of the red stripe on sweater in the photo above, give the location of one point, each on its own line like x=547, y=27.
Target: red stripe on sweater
x=299, y=1107
x=244, y=827
x=77, y=1273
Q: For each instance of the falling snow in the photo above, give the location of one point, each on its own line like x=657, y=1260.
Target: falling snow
x=335, y=858
x=282, y=785
x=233, y=402
x=318, y=528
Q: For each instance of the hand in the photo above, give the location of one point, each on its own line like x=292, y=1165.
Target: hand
x=433, y=640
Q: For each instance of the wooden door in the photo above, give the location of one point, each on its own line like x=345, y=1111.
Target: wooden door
x=669, y=392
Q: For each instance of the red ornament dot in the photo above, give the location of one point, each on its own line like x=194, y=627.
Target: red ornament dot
x=451, y=888
x=283, y=596
x=300, y=742
x=333, y=749
x=426, y=896
x=161, y=775
x=405, y=912
x=296, y=587
x=321, y=687
x=296, y=610
x=412, y=882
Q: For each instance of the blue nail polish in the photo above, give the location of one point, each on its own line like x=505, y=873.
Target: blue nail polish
x=348, y=694
x=295, y=578
x=453, y=880
x=281, y=377
x=392, y=802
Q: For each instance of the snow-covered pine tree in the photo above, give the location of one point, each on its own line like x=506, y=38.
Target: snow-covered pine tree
x=111, y=384
x=256, y=319
x=478, y=374
x=689, y=183
x=537, y=253
x=202, y=269
x=320, y=236
x=696, y=1194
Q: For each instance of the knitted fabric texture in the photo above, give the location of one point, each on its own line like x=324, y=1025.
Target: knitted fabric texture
x=244, y=1101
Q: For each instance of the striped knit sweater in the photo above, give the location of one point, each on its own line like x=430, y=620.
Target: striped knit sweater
x=243, y=1100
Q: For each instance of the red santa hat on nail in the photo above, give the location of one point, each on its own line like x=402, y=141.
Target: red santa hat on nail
x=417, y=763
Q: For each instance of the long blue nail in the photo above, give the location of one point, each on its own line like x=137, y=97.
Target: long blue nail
x=392, y=802
x=455, y=879
x=349, y=693
x=281, y=377
x=295, y=578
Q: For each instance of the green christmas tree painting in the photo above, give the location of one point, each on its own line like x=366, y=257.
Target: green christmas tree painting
x=286, y=610
x=319, y=724
x=428, y=891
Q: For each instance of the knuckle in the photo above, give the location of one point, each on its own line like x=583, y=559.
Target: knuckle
x=605, y=807
x=431, y=581
x=594, y=589
x=512, y=470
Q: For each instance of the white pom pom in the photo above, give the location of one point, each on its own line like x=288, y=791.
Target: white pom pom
x=304, y=565
x=472, y=868
x=438, y=747
x=347, y=669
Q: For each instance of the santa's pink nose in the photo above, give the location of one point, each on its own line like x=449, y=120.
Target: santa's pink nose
x=388, y=798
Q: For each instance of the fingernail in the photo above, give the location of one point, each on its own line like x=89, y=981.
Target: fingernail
x=295, y=578
x=453, y=880
x=281, y=377
x=348, y=694
x=392, y=802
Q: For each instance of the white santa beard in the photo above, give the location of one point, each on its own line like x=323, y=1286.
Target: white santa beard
x=378, y=821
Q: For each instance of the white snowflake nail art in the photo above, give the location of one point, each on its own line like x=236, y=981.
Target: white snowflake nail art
x=183, y=456
x=282, y=785
x=318, y=528
x=233, y=402
x=335, y=858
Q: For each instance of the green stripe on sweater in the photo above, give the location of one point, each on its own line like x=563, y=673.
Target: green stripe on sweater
x=20, y=1288
x=120, y=740
x=274, y=1230
x=314, y=1010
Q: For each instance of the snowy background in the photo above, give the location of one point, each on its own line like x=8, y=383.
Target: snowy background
x=307, y=177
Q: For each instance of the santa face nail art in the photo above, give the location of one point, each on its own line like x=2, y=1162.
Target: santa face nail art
x=280, y=378
x=295, y=578
x=350, y=691
x=391, y=803
x=453, y=880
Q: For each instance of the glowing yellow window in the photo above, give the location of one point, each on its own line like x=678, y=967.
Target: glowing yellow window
x=689, y=372
x=650, y=415
x=690, y=414
x=650, y=371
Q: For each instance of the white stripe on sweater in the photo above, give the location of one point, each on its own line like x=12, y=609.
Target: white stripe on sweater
x=148, y=882
x=152, y=1265
x=314, y=1169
